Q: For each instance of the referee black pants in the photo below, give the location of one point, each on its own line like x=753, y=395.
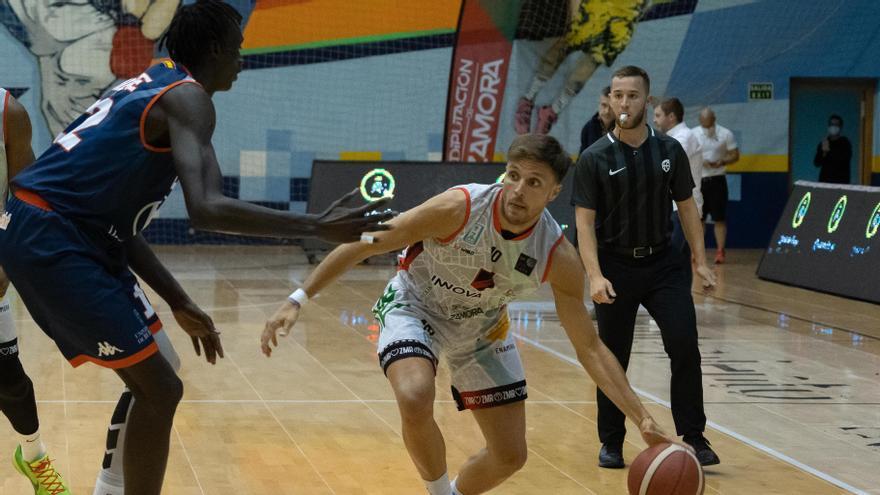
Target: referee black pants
x=660, y=284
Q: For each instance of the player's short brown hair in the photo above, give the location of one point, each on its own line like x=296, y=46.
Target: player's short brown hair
x=633, y=71
x=541, y=148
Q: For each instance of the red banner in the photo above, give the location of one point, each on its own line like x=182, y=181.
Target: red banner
x=476, y=89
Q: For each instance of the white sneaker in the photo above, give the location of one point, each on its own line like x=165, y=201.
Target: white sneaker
x=104, y=488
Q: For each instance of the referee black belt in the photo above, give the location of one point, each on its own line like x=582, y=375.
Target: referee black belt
x=634, y=252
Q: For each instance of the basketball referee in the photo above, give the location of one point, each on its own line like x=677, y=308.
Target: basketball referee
x=624, y=185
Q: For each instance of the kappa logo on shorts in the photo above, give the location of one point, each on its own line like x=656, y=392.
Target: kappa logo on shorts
x=107, y=349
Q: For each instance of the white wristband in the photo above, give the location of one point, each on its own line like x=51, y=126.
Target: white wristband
x=299, y=297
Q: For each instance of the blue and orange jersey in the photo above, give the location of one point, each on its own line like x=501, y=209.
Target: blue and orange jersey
x=101, y=172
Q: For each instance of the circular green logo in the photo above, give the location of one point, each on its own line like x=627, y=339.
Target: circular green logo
x=801, y=211
x=837, y=214
x=377, y=184
x=873, y=222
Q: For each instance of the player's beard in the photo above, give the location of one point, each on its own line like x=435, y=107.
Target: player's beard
x=633, y=120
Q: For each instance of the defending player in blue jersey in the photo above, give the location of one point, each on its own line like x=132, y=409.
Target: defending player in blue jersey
x=73, y=239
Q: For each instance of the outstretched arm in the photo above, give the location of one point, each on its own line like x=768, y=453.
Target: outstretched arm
x=567, y=281
x=438, y=217
x=190, y=116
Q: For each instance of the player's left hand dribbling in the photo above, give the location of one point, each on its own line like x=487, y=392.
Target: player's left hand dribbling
x=200, y=327
x=652, y=434
x=279, y=324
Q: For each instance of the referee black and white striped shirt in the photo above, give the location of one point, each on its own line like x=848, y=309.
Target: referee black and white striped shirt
x=631, y=189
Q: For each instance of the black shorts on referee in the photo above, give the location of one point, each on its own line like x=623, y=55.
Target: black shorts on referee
x=714, y=197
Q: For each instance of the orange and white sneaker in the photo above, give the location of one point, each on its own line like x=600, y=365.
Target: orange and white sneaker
x=42, y=474
x=719, y=257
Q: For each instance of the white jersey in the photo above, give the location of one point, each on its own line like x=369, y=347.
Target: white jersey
x=715, y=142
x=694, y=151
x=475, y=272
x=4, y=169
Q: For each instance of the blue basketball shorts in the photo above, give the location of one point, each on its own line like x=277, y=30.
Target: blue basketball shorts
x=80, y=293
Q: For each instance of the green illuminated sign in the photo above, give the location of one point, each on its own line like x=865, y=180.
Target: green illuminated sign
x=873, y=222
x=801, y=211
x=377, y=184
x=837, y=214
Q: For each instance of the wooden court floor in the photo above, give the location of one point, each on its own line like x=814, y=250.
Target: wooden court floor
x=790, y=379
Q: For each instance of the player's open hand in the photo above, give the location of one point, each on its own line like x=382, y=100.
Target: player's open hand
x=200, y=327
x=279, y=325
x=707, y=275
x=339, y=223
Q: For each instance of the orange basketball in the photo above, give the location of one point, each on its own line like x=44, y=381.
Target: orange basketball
x=665, y=469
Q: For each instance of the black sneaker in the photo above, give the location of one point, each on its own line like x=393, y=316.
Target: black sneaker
x=702, y=450
x=611, y=456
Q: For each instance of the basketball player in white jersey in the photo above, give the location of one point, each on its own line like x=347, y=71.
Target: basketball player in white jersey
x=17, y=400
x=471, y=250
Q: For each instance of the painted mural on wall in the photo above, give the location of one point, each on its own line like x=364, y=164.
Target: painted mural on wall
x=597, y=32
x=333, y=79
x=81, y=48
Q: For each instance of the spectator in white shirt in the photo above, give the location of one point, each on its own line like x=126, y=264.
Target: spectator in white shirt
x=669, y=118
x=719, y=150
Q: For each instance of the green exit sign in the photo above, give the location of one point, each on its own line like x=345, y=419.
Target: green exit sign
x=760, y=91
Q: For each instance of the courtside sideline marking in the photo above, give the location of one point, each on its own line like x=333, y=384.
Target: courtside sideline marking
x=742, y=438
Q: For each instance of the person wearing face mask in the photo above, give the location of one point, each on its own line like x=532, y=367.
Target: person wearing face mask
x=719, y=150
x=833, y=154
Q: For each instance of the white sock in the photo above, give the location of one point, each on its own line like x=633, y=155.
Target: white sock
x=454, y=488
x=111, y=480
x=535, y=88
x=32, y=447
x=104, y=488
x=440, y=486
x=562, y=101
